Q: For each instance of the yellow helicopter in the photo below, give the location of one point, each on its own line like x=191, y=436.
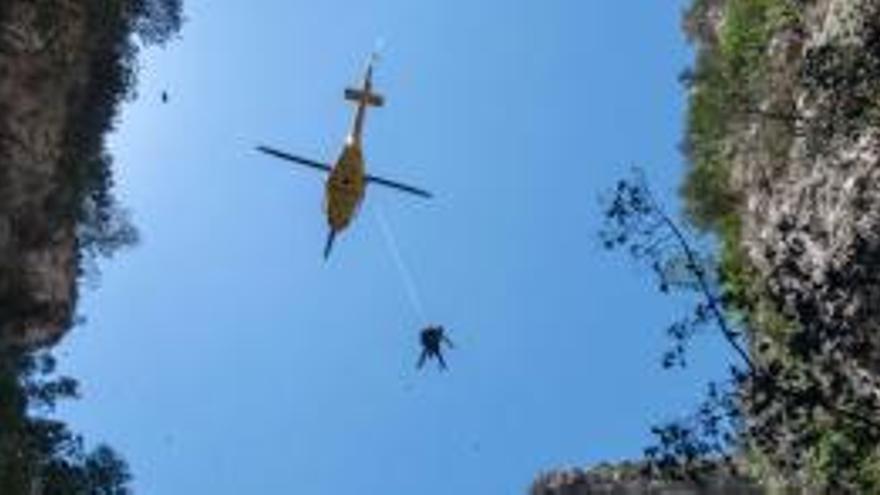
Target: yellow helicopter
x=347, y=179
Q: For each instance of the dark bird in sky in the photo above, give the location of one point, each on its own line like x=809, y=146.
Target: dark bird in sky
x=432, y=339
x=164, y=97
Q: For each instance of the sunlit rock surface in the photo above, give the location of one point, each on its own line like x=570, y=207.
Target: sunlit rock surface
x=627, y=479
x=805, y=173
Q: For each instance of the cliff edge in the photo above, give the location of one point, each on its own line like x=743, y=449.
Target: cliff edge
x=65, y=66
x=781, y=149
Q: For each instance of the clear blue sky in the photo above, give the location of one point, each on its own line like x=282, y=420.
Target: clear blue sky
x=224, y=356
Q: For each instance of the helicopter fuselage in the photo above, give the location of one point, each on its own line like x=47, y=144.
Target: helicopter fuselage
x=347, y=182
x=345, y=187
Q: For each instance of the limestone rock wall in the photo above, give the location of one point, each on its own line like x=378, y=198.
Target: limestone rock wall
x=808, y=194
x=626, y=479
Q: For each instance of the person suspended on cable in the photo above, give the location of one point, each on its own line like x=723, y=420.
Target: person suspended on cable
x=432, y=338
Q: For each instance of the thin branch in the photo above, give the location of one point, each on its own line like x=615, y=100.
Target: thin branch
x=693, y=264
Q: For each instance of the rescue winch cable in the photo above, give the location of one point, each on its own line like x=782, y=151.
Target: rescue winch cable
x=405, y=274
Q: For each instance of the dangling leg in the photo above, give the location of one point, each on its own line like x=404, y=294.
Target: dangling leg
x=422, y=359
x=441, y=360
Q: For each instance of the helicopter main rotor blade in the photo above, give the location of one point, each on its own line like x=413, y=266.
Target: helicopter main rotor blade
x=399, y=186
x=293, y=158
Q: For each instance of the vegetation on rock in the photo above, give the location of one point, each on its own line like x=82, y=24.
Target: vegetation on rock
x=57, y=203
x=781, y=126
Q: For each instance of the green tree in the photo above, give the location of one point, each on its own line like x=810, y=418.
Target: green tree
x=39, y=454
x=799, y=402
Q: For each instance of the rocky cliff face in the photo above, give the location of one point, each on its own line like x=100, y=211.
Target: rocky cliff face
x=44, y=72
x=783, y=146
x=627, y=479
x=815, y=202
x=65, y=67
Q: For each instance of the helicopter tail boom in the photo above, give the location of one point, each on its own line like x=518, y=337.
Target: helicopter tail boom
x=331, y=236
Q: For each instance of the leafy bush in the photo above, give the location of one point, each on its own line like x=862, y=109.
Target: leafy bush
x=723, y=92
x=39, y=454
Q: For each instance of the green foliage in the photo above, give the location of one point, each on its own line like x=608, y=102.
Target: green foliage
x=39, y=454
x=731, y=74
x=155, y=21
x=728, y=80
x=792, y=399
x=86, y=195
x=797, y=406
x=725, y=89
x=839, y=455
x=748, y=27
